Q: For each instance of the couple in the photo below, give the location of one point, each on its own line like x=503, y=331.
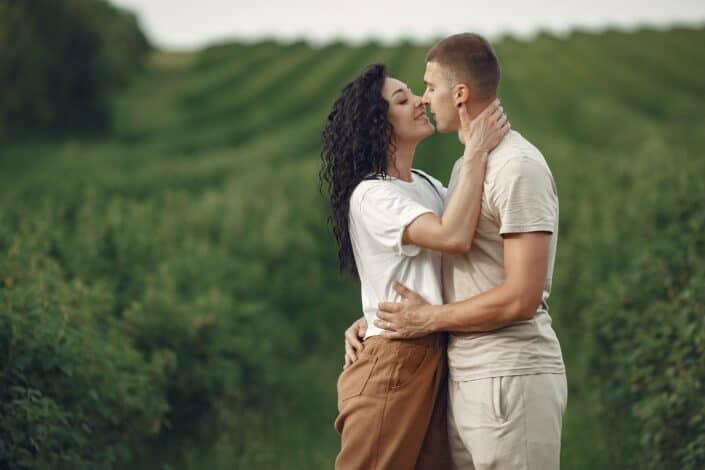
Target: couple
x=463, y=274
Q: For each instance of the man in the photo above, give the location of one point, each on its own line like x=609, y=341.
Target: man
x=507, y=384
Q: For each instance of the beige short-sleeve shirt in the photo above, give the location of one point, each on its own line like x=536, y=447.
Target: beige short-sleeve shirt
x=519, y=196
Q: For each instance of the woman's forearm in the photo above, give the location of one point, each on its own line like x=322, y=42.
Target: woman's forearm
x=462, y=212
x=454, y=230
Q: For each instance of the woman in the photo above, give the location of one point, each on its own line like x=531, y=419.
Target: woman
x=390, y=224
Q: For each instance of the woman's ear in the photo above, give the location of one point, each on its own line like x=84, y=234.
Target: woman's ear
x=461, y=94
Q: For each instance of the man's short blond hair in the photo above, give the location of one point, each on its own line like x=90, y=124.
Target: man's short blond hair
x=468, y=58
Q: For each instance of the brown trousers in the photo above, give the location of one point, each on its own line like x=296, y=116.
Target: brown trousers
x=392, y=406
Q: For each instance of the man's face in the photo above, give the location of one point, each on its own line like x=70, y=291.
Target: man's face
x=438, y=97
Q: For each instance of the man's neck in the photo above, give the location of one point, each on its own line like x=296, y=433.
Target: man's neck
x=475, y=109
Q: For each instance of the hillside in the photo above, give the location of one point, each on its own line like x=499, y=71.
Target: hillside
x=186, y=257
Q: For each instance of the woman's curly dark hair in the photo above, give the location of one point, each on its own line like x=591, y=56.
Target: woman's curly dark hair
x=356, y=141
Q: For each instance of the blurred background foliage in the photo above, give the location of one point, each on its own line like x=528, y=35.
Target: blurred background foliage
x=169, y=293
x=60, y=62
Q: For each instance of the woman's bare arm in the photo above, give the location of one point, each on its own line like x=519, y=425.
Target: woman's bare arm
x=454, y=230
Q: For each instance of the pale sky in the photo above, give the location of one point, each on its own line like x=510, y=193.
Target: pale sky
x=189, y=24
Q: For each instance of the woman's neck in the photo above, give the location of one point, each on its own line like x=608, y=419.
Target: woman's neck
x=400, y=164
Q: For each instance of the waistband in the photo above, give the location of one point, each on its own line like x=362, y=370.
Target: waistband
x=434, y=340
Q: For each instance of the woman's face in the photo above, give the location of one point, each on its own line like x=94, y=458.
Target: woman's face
x=406, y=112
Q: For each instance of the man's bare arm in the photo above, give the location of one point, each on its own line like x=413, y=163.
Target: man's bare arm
x=516, y=299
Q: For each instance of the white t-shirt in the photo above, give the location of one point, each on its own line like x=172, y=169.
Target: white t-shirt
x=380, y=210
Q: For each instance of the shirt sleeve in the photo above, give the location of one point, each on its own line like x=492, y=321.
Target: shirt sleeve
x=525, y=197
x=385, y=213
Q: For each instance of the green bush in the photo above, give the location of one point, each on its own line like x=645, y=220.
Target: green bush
x=648, y=326
x=61, y=62
x=74, y=391
x=167, y=311
x=190, y=251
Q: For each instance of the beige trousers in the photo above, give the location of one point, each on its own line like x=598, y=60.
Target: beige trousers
x=507, y=423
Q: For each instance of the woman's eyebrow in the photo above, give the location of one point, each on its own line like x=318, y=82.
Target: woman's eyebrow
x=399, y=90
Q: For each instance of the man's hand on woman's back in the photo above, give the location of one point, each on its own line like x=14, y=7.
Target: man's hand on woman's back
x=353, y=340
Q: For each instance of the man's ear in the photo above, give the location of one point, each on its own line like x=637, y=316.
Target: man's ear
x=461, y=94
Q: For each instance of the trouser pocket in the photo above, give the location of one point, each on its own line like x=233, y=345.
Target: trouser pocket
x=497, y=398
x=409, y=359
x=354, y=378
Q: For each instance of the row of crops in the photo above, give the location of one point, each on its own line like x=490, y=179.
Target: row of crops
x=169, y=294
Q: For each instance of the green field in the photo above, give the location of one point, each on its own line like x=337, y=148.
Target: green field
x=196, y=233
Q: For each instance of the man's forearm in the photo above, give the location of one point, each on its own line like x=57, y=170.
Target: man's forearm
x=493, y=309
